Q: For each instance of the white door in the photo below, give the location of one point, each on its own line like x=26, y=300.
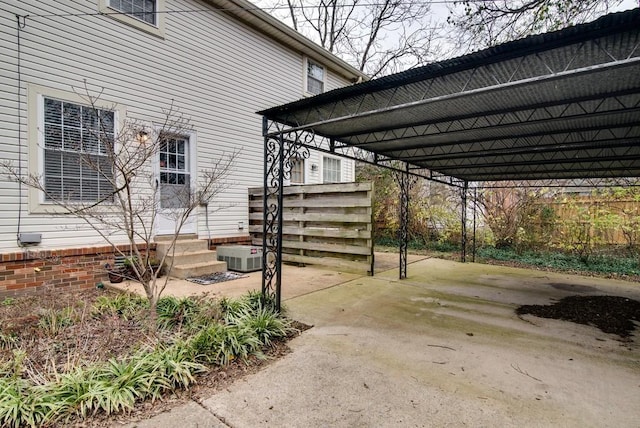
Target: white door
x=176, y=183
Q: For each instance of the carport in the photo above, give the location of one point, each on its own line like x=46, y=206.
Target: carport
x=560, y=108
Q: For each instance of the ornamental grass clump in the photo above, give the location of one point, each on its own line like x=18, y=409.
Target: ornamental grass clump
x=191, y=334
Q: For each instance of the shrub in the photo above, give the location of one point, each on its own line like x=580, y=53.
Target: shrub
x=52, y=321
x=175, y=312
x=265, y=324
x=125, y=306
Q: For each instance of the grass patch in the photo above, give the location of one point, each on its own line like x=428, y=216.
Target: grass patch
x=71, y=380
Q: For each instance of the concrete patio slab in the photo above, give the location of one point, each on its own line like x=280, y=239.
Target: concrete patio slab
x=442, y=348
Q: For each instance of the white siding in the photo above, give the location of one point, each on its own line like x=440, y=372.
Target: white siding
x=217, y=71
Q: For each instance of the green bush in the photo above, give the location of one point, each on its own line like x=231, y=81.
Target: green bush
x=174, y=312
x=125, y=306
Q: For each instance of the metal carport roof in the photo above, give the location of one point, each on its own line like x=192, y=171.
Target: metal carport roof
x=560, y=105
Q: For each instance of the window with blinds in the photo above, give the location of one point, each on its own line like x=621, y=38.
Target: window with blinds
x=76, y=161
x=315, y=78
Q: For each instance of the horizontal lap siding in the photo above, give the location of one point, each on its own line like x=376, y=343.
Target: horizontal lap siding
x=216, y=70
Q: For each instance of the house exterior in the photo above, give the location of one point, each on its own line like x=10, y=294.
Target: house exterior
x=217, y=61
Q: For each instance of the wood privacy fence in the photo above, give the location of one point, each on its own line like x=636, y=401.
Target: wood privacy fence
x=328, y=224
x=610, y=222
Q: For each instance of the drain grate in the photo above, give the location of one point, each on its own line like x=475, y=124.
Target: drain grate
x=215, y=278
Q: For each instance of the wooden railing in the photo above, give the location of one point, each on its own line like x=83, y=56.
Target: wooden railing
x=327, y=224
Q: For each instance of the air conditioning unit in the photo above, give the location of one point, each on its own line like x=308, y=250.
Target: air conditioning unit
x=241, y=258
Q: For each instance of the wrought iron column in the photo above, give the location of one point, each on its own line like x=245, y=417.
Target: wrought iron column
x=272, y=216
x=463, y=255
x=403, y=180
x=475, y=208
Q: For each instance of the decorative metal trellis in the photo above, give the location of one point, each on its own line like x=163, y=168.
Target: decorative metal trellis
x=558, y=109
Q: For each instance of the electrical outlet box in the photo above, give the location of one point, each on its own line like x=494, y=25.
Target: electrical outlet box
x=30, y=238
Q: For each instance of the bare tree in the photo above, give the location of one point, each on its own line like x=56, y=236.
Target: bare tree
x=490, y=22
x=126, y=205
x=378, y=38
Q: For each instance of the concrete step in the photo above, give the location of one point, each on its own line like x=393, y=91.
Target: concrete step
x=182, y=246
x=197, y=269
x=190, y=257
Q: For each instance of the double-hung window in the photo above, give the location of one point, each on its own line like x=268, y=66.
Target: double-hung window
x=315, y=78
x=331, y=170
x=75, y=147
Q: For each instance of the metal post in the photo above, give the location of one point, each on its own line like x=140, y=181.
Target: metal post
x=475, y=208
x=272, y=216
x=279, y=229
x=404, y=221
x=463, y=255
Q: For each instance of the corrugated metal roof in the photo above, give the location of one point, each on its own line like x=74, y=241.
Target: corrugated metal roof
x=558, y=105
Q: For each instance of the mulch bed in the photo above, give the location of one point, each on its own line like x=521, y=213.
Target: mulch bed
x=611, y=314
x=103, y=337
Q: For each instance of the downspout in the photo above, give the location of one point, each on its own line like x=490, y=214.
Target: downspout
x=21, y=22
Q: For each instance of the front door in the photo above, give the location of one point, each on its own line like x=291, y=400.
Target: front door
x=175, y=167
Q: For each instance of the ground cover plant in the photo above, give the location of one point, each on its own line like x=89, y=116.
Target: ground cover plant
x=66, y=357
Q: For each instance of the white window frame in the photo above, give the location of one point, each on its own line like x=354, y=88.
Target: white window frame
x=35, y=116
x=294, y=163
x=306, y=92
x=105, y=7
x=324, y=169
x=189, y=163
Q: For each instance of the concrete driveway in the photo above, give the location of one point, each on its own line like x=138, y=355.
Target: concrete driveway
x=441, y=348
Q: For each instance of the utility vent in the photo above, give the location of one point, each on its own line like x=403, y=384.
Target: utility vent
x=241, y=258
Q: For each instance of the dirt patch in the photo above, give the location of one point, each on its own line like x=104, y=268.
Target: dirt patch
x=611, y=314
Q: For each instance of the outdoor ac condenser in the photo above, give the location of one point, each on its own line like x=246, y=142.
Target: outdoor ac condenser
x=241, y=258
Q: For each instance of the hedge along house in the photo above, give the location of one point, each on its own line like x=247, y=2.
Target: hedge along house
x=544, y=110
x=217, y=61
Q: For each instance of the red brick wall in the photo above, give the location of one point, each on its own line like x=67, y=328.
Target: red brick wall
x=32, y=270
x=236, y=240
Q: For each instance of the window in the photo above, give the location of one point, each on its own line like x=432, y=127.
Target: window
x=331, y=170
x=75, y=151
x=297, y=171
x=315, y=78
x=144, y=15
x=144, y=10
x=175, y=178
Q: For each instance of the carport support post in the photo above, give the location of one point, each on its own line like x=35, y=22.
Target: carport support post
x=404, y=221
x=475, y=208
x=272, y=215
x=463, y=255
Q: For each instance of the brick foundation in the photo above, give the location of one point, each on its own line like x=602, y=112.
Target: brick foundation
x=33, y=271
x=236, y=240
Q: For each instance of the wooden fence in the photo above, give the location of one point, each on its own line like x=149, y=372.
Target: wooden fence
x=328, y=224
x=610, y=222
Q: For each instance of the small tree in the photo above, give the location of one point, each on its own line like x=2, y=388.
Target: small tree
x=129, y=197
x=516, y=216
